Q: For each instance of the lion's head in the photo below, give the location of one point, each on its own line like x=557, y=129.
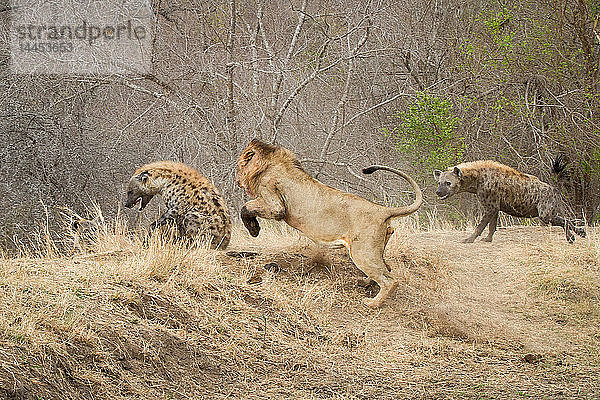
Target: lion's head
x=256, y=158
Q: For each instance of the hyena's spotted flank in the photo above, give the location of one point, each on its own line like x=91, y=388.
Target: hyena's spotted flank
x=193, y=204
x=502, y=188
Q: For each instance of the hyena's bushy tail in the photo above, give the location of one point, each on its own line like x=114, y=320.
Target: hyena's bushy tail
x=559, y=165
x=559, y=169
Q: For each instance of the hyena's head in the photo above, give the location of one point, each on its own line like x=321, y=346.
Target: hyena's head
x=449, y=182
x=142, y=187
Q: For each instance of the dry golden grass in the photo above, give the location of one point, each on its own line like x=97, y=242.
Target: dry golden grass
x=517, y=318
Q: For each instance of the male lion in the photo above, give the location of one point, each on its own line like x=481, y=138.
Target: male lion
x=282, y=190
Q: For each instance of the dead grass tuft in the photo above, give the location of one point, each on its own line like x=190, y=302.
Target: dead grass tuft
x=440, y=323
x=571, y=285
x=569, y=281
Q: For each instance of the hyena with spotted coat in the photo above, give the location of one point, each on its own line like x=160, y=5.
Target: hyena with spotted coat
x=193, y=204
x=502, y=188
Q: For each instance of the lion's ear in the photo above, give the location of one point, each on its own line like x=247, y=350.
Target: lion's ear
x=248, y=156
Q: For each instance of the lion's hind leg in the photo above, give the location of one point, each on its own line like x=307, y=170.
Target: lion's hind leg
x=368, y=257
x=388, y=234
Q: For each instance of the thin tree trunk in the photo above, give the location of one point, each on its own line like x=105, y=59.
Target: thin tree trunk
x=230, y=117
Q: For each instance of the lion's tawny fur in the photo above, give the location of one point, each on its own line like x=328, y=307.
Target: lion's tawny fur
x=282, y=190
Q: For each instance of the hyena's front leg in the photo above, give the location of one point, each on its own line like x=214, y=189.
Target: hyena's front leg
x=169, y=216
x=484, y=221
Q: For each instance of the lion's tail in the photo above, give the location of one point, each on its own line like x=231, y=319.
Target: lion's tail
x=400, y=211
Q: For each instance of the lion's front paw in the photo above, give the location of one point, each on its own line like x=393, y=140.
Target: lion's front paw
x=250, y=222
x=252, y=226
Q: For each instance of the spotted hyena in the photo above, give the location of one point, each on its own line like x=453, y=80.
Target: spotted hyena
x=193, y=204
x=502, y=188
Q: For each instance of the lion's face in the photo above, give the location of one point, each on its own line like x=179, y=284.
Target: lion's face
x=248, y=166
x=140, y=190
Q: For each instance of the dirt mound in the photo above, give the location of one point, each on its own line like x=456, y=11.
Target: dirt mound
x=518, y=317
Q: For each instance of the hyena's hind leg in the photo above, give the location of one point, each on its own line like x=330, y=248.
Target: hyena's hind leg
x=580, y=230
x=568, y=226
x=208, y=228
x=491, y=227
x=489, y=215
x=550, y=215
x=549, y=212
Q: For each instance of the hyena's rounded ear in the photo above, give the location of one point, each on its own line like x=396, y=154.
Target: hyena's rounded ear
x=96, y=221
x=457, y=172
x=76, y=222
x=143, y=177
x=436, y=174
